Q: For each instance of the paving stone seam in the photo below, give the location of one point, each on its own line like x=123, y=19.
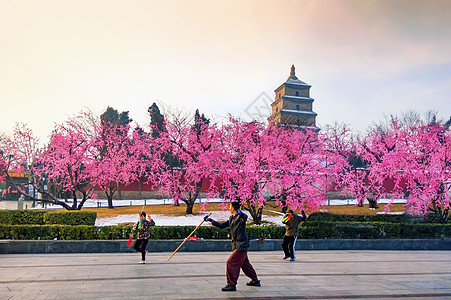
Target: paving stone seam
x=219, y=275
x=366, y=296
x=212, y=262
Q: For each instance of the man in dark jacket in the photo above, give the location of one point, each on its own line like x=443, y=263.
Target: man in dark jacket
x=291, y=221
x=240, y=244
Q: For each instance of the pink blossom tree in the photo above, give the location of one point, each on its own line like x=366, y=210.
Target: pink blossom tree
x=374, y=149
x=341, y=144
x=302, y=174
x=19, y=154
x=423, y=159
x=67, y=160
x=189, y=147
x=244, y=165
x=114, y=162
x=258, y=163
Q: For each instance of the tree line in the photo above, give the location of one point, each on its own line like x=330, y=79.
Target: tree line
x=250, y=162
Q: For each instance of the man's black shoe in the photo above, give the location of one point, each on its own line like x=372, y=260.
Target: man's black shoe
x=254, y=283
x=229, y=288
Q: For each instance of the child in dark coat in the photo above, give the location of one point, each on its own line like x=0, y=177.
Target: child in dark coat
x=143, y=227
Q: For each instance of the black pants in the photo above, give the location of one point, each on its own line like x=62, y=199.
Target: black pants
x=140, y=246
x=288, y=245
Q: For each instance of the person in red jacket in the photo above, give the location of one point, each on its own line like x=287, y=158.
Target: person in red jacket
x=291, y=221
x=240, y=244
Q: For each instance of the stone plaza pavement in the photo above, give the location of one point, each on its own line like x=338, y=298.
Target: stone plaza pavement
x=201, y=275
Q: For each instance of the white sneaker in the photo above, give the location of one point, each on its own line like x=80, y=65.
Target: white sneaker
x=142, y=262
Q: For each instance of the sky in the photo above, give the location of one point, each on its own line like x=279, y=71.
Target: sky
x=364, y=59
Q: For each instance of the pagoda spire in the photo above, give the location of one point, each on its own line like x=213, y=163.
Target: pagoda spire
x=292, y=73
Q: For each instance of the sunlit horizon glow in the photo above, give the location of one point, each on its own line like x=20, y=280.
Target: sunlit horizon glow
x=363, y=59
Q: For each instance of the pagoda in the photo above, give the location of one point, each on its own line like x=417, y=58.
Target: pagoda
x=292, y=105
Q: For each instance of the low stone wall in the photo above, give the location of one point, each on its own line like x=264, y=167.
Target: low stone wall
x=117, y=246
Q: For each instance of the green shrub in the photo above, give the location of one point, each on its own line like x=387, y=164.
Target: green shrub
x=387, y=218
x=403, y=218
x=357, y=231
x=114, y=232
x=318, y=230
x=170, y=232
x=433, y=218
x=327, y=217
x=389, y=230
x=420, y=231
x=47, y=232
x=211, y=232
x=269, y=232
x=78, y=232
x=446, y=230
x=312, y=230
x=70, y=218
x=46, y=217
x=321, y=217
x=374, y=230
x=22, y=217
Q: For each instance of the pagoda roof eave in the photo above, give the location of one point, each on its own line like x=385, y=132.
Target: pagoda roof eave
x=295, y=85
x=298, y=112
x=298, y=98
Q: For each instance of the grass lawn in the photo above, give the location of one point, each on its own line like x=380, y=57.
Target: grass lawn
x=180, y=210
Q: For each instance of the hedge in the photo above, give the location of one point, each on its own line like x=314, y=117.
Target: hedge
x=45, y=217
x=22, y=217
x=373, y=230
x=312, y=230
x=78, y=225
x=402, y=218
x=47, y=232
x=70, y=218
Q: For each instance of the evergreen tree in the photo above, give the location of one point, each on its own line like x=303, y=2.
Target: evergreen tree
x=156, y=120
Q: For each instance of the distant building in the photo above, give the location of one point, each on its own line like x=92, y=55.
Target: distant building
x=11, y=193
x=292, y=105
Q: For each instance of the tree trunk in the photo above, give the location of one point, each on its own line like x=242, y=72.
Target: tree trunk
x=74, y=197
x=109, y=195
x=443, y=214
x=284, y=201
x=192, y=198
x=189, y=207
x=112, y=188
x=372, y=203
x=257, y=219
x=110, y=200
x=256, y=213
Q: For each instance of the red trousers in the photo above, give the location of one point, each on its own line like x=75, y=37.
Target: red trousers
x=238, y=260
